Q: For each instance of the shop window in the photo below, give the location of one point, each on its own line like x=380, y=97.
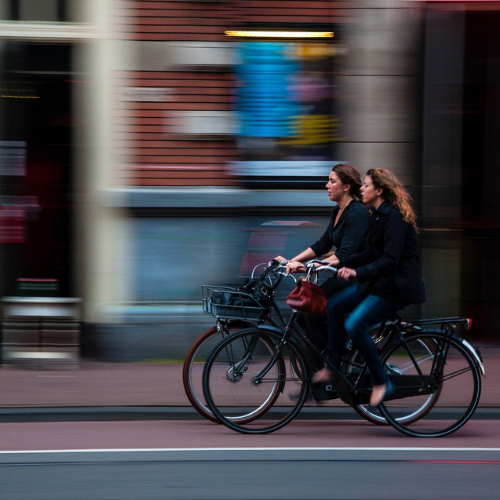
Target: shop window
x=36, y=168
x=287, y=120
x=34, y=10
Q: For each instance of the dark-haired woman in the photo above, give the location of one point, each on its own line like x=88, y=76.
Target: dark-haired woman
x=347, y=229
x=388, y=278
x=346, y=233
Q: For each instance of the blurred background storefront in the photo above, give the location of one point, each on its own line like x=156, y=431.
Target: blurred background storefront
x=149, y=147
x=460, y=157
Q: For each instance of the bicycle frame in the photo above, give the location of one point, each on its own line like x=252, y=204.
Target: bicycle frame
x=415, y=360
x=392, y=330
x=285, y=338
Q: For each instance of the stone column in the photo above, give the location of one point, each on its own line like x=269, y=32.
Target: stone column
x=102, y=232
x=379, y=88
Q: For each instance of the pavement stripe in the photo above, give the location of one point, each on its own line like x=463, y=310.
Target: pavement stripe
x=442, y=455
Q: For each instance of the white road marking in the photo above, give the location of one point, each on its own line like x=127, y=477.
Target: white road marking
x=468, y=455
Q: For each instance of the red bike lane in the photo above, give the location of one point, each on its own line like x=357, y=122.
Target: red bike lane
x=96, y=392
x=204, y=435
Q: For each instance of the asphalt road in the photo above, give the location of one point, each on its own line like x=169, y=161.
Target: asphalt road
x=103, y=432
x=195, y=459
x=283, y=474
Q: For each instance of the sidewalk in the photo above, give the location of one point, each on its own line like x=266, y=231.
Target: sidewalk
x=94, y=384
x=98, y=386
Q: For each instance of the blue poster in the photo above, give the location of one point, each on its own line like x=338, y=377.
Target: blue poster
x=264, y=93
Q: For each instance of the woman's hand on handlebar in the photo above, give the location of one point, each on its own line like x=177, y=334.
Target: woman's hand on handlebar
x=280, y=259
x=332, y=260
x=295, y=267
x=346, y=273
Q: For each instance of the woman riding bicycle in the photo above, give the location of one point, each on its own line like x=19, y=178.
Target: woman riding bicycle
x=387, y=273
x=346, y=232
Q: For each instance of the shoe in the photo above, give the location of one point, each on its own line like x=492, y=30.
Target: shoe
x=325, y=375
x=381, y=392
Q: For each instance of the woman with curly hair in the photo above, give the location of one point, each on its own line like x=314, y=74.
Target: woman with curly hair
x=388, y=278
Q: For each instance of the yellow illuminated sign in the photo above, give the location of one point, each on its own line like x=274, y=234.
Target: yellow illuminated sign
x=280, y=34
x=314, y=129
x=19, y=90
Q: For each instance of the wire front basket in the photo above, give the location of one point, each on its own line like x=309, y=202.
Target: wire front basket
x=225, y=302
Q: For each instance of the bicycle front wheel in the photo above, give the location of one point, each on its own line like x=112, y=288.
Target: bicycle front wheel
x=251, y=373
x=441, y=403
x=192, y=370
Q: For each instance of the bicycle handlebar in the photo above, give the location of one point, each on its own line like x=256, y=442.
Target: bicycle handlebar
x=279, y=268
x=327, y=268
x=323, y=266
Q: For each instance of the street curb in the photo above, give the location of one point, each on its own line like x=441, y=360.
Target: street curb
x=145, y=413
x=97, y=413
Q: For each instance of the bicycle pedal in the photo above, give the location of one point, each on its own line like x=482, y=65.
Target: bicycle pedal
x=325, y=392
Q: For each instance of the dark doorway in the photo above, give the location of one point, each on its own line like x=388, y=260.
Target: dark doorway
x=480, y=169
x=36, y=170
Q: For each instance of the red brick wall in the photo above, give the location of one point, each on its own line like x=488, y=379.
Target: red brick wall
x=154, y=155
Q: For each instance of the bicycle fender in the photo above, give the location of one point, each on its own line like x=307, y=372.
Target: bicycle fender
x=475, y=355
x=274, y=329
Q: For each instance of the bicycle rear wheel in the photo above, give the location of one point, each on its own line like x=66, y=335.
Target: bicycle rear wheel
x=192, y=370
x=457, y=391
x=250, y=373
x=416, y=411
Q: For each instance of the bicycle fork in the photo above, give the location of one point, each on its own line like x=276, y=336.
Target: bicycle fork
x=277, y=351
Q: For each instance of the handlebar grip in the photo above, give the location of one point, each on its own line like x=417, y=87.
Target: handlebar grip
x=327, y=268
x=311, y=263
x=274, y=262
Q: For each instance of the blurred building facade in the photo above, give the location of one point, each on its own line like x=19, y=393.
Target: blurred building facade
x=145, y=152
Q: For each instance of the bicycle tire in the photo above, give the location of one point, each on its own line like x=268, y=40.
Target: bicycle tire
x=229, y=381
x=374, y=414
x=458, y=391
x=192, y=369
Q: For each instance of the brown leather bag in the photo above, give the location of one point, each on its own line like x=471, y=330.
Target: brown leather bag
x=307, y=298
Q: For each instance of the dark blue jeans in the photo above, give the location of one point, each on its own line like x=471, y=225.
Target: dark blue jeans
x=364, y=312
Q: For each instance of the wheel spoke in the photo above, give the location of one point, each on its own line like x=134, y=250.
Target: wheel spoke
x=269, y=390
x=440, y=410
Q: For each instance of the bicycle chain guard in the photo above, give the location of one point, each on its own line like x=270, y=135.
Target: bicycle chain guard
x=363, y=390
x=404, y=386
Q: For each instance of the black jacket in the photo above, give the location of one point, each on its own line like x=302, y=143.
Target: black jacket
x=348, y=236
x=389, y=266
